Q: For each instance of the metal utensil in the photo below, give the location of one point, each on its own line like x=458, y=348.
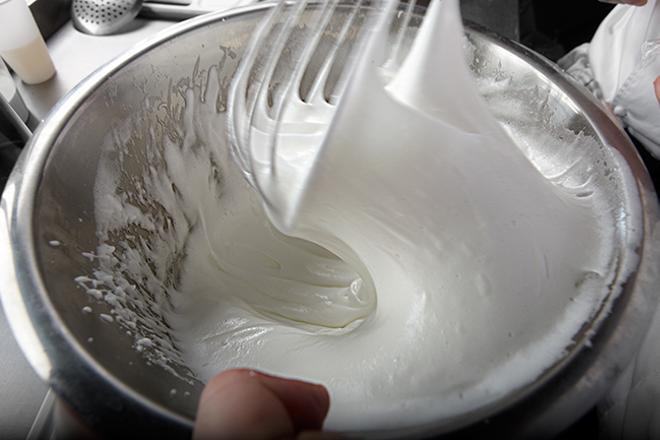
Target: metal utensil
x=103, y=17
x=264, y=108
x=255, y=113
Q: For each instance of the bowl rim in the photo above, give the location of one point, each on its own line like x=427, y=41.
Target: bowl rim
x=57, y=356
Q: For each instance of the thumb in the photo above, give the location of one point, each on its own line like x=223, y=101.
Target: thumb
x=247, y=404
x=627, y=2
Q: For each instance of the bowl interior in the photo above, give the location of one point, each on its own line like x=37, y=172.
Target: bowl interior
x=124, y=121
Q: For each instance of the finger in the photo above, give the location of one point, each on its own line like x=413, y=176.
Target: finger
x=306, y=403
x=248, y=404
x=319, y=435
x=626, y=2
x=656, y=87
x=236, y=405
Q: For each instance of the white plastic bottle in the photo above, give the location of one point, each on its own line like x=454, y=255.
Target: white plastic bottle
x=21, y=44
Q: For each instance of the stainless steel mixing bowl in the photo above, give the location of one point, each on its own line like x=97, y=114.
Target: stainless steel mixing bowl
x=93, y=365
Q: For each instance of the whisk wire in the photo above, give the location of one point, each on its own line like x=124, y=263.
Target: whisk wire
x=258, y=108
x=238, y=122
x=292, y=88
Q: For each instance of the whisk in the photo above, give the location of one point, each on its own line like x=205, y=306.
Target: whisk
x=268, y=110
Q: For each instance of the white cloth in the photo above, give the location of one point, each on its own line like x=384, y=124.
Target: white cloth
x=620, y=65
x=631, y=410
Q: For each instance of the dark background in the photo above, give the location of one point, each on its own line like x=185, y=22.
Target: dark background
x=554, y=27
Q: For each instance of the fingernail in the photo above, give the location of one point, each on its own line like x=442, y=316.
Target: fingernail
x=322, y=392
x=656, y=86
x=322, y=399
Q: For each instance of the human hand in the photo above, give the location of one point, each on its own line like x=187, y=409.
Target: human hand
x=248, y=404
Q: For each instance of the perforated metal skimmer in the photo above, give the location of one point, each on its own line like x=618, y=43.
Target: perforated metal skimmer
x=102, y=17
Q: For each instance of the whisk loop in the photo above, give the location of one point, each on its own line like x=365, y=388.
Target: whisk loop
x=268, y=111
